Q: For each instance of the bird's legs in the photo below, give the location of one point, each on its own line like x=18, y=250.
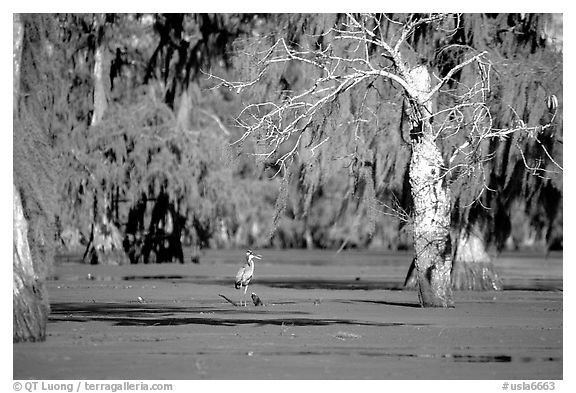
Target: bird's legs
x=243, y=300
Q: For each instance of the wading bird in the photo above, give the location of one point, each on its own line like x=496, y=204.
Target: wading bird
x=246, y=272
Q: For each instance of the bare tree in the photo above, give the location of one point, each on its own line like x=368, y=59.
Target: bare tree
x=357, y=54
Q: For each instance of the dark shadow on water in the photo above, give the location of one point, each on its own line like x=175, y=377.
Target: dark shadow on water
x=284, y=282
x=446, y=356
x=351, y=351
x=332, y=284
x=127, y=314
x=535, y=284
x=142, y=310
x=481, y=358
x=157, y=277
x=385, y=303
x=466, y=358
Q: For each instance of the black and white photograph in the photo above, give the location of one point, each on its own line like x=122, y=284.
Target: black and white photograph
x=287, y=196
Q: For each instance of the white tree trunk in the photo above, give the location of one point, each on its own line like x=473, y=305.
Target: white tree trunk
x=432, y=246
x=30, y=308
x=100, y=101
x=433, y=259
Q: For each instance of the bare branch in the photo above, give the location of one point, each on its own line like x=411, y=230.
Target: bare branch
x=217, y=120
x=548, y=155
x=236, y=86
x=313, y=149
x=451, y=73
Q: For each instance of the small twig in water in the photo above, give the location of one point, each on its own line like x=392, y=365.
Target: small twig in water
x=228, y=300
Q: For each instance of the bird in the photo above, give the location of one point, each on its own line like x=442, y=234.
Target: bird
x=246, y=272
